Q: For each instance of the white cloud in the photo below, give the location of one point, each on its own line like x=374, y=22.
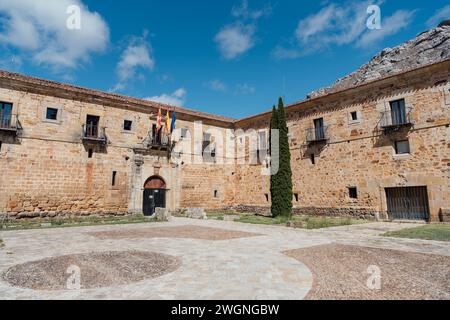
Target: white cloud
x=216, y=85
x=245, y=88
x=243, y=11
x=39, y=29
x=336, y=25
x=439, y=16
x=391, y=25
x=235, y=39
x=137, y=55
x=177, y=98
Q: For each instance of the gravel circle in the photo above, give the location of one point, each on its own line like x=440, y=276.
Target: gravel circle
x=341, y=272
x=97, y=270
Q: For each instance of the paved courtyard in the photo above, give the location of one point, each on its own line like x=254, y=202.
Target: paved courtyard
x=193, y=259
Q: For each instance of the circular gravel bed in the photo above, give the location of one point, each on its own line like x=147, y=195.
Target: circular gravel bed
x=99, y=269
x=341, y=272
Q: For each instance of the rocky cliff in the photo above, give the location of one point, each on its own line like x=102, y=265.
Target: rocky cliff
x=427, y=48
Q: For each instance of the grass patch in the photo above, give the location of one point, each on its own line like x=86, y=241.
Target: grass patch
x=438, y=232
x=47, y=223
x=306, y=222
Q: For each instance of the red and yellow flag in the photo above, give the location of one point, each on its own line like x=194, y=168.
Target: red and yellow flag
x=158, y=121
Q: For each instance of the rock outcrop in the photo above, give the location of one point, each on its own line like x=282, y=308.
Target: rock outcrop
x=428, y=47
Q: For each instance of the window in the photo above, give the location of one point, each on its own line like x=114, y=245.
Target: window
x=319, y=129
x=90, y=153
x=216, y=194
x=267, y=197
x=398, y=112
x=0, y=146
x=354, y=116
x=209, y=152
x=127, y=125
x=5, y=114
x=184, y=133
x=114, y=175
x=52, y=114
x=402, y=147
x=312, y=158
x=353, y=192
x=261, y=153
x=296, y=197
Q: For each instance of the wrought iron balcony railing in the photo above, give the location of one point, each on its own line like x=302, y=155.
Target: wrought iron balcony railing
x=317, y=135
x=160, y=141
x=94, y=133
x=10, y=123
x=391, y=120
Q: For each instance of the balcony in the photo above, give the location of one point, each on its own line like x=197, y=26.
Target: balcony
x=9, y=123
x=317, y=135
x=94, y=134
x=395, y=120
x=159, y=142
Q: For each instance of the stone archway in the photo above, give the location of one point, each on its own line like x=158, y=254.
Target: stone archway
x=154, y=195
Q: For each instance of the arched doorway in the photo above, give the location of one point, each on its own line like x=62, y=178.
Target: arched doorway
x=154, y=195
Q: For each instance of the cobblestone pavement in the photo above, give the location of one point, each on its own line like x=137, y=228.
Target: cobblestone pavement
x=252, y=267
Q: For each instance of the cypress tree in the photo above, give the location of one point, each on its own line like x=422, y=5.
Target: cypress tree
x=281, y=183
x=273, y=177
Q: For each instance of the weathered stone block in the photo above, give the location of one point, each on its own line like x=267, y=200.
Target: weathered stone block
x=162, y=214
x=196, y=213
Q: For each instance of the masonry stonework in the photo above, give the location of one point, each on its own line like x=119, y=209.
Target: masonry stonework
x=47, y=170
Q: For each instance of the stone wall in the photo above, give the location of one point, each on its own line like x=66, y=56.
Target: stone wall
x=358, y=154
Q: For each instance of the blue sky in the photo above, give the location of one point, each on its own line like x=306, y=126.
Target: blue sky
x=228, y=57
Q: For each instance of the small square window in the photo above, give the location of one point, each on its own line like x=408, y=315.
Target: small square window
x=52, y=114
x=353, y=193
x=402, y=147
x=354, y=115
x=127, y=125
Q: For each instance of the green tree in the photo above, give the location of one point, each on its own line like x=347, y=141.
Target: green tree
x=281, y=183
x=274, y=177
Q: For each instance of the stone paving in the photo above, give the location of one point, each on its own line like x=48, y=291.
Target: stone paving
x=252, y=267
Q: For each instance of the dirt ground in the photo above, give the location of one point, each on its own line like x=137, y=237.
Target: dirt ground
x=342, y=272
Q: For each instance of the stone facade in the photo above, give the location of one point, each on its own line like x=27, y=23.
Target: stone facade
x=47, y=169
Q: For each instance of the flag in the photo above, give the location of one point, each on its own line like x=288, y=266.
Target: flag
x=174, y=119
x=167, y=122
x=158, y=121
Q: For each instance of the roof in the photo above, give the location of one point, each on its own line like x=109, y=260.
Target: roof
x=76, y=91
x=121, y=99
x=304, y=102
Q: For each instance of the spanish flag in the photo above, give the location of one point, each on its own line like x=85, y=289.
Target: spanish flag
x=167, y=122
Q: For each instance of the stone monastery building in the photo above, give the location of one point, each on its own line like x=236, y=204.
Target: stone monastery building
x=381, y=148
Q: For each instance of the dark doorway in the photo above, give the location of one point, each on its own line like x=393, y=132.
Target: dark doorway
x=92, y=126
x=408, y=203
x=154, y=195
